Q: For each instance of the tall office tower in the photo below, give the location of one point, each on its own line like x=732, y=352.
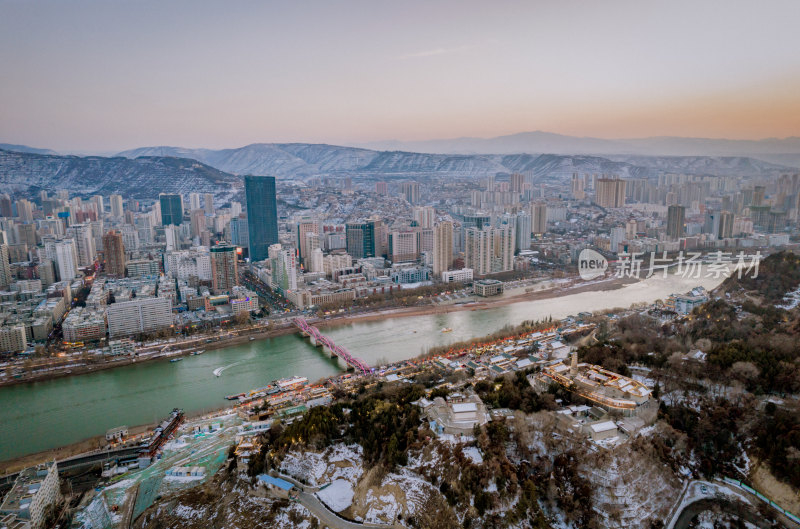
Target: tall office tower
x=303, y=228
x=43, y=194
x=283, y=265
x=208, y=203
x=610, y=193
x=361, y=239
x=198, y=220
x=25, y=210
x=262, y=215
x=66, y=258
x=382, y=188
x=442, y=248
x=403, y=246
x=99, y=206
x=725, y=225
x=425, y=216
x=490, y=184
x=410, y=191
x=758, y=195
x=490, y=250
x=517, y=182
x=171, y=209
x=578, y=186
x=776, y=222
x=114, y=251
x=194, y=201
x=115, y=202
x=523, y=231
x=5, y=268
x=6, y=209
x=239, y=235
x=631, y=229
x=84, y=243
x=224, y=272
x=539, y=218
x=675, y=221
x=316, y=261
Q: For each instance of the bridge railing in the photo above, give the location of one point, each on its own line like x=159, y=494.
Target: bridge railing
x=341, y=352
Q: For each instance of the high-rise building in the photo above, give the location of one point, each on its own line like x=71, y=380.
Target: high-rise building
x=539, y=218
x=382, y=188
x=490, y=250
x=5, y=268
x=302, y=230
x=198, y=220
x=523, y=231
x=403, y=246
x=758, y=195
x=239, y=235
x=675, y=221
x=171, y=209
x=208, y=203
x=99, y=206
x=316, y=261
x=66, y=257
x=517, y=182
x=361, y=239
x=25, y=210
x=224, y=272
x=194, y=201
x=725, y=225
x=610, y=193
x=84, y=243
x=424, y=216
x=578, y=186
x=442, y=248
x=6, y=208
x=410, y=191
x=115, y=202
x=283, y=266
x=114, y=251
x=711, y=224
x=262, y=215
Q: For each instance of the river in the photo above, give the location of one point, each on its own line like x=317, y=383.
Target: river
x=44, y=415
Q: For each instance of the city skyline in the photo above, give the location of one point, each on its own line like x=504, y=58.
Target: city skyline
x=201, y=75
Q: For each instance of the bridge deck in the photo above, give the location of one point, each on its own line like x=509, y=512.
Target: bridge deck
x=338, y=350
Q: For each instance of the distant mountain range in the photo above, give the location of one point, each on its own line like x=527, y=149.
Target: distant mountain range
x=25, y=173
x=147, y=171
x=776, y=150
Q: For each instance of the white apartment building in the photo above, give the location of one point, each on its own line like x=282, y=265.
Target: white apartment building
x=12, y=339
x=195, y=262
x=138, y=316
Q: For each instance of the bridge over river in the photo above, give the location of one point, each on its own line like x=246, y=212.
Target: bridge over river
x=320, y=340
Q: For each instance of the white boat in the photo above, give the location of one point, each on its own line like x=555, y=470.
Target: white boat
x=447, y=329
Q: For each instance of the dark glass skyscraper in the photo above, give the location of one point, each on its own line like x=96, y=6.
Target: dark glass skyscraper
x=262, y=215
x=171, y=209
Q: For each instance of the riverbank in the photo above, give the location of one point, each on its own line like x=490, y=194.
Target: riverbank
x=244, y=334
x=90, y=444
x=489, y=303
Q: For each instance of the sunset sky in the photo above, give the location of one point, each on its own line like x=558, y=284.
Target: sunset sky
x=113, y=74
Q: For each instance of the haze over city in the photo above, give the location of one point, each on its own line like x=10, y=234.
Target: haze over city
x=404, y=265
x=95, y=76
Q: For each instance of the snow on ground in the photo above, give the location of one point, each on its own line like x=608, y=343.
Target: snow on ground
x=184, y=511
x=473, y=454
x=336, y=462
x=400, y=493
x=124, y=484
x=338, y=495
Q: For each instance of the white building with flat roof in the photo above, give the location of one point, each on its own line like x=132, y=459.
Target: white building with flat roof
x=139, y=316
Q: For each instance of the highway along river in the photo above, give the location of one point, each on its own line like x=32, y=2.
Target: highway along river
x=44, y=415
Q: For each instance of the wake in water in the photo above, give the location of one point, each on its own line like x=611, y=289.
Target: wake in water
x=218, y=371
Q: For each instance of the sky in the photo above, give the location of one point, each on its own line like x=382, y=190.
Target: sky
x=108, y=75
